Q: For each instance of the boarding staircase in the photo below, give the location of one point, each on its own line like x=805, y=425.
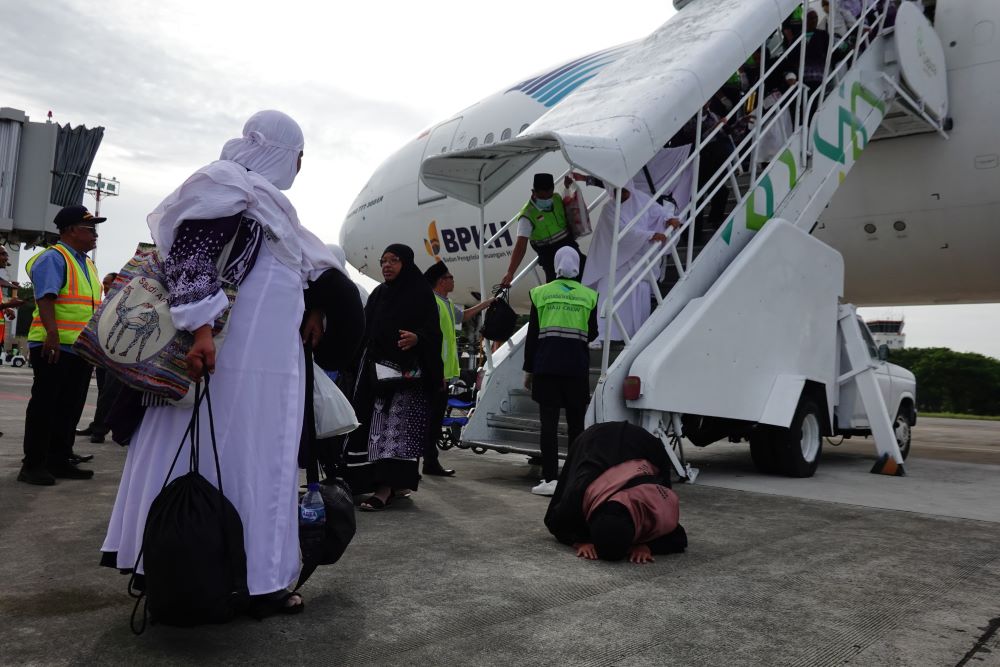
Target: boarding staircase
x=831, y=123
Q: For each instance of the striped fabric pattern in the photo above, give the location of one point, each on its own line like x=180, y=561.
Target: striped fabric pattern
x=165, y=373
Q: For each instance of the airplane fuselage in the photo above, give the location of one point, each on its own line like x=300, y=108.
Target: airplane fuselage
x=917, y=220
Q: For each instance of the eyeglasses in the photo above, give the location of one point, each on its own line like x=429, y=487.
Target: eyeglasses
x=390, y=260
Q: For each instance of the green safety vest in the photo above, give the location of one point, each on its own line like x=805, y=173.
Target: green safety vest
x=449, y=347
x=564, y=308
x=76, y=301
x=547, y=226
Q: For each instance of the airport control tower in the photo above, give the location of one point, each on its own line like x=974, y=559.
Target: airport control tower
x=888, y=332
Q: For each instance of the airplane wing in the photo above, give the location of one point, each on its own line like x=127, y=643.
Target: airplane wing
x=615, y=123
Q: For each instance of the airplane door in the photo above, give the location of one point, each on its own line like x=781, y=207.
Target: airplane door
x=438, y=142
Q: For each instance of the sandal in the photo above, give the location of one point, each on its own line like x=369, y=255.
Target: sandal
x=373, y=504
x=278, y=602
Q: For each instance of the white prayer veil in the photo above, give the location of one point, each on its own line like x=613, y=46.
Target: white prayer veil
x=567, y=262
x=270, y=146
x=247, y=180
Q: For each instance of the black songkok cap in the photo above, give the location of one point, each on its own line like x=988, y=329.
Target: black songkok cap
x=543, y=182
x=435, y=273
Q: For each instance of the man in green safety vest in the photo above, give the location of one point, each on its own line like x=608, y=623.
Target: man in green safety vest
x=542, y=222
x=67, y=292
x=451, y=318
x=556, y=359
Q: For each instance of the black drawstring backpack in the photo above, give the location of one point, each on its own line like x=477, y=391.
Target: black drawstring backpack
x=192, y=547
x=500, y=321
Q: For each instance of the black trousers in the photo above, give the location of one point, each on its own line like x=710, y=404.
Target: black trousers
x=554, y=393
x=108, y=387
x=439, y=405
x=57, y=397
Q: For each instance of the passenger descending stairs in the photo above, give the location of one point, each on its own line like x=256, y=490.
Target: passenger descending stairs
x=832, y=125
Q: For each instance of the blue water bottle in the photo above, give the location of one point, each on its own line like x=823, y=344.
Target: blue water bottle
x=312, y=512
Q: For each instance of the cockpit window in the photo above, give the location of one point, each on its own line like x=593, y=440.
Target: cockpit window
x=523, y=128
x=505, y=135
x=473, y=142
x=488, y=139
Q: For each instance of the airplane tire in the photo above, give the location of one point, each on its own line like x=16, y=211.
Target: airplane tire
x=901, y=427
x=762, y=451
x=800, y=445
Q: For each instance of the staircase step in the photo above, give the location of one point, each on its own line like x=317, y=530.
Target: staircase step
x=507, y=446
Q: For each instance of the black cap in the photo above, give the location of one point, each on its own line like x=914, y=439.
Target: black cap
x=435, y=273
x=75, y=215
x=543, y=182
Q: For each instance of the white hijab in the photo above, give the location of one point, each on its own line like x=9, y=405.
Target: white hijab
x=567, y=262
x=249, y=177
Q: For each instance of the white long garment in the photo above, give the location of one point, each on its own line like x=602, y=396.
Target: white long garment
x=258, y=396
x=664, y=165
x=631, y=247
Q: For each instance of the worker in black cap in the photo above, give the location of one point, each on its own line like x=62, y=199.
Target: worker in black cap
x=67, y=292
x=542, y=222
x=450, y=317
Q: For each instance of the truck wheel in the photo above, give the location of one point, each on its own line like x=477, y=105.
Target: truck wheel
x=17, y=363
x=762, y=452
x=799, y=446
x=903, y=432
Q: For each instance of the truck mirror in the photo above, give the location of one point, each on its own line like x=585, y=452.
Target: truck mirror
x=883, y=352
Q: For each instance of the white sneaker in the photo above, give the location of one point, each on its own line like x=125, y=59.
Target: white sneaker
x=544, y=488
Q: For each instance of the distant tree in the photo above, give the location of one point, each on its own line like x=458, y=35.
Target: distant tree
x=948, y=381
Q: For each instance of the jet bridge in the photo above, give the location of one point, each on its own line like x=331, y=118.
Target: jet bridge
x=618, y=121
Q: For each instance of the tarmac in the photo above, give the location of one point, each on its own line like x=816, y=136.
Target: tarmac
x=844, y=568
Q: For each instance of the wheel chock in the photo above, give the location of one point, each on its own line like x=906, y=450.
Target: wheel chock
x=886, y=465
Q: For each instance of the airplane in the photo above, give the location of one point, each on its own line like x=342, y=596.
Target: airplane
x=917, y=220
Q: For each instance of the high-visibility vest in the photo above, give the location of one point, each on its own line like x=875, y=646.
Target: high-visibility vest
x=547, y=226
x=449, y=346
x=564, y=308
x=76, y=301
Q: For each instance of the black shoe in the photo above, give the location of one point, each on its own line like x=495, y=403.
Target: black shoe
x=85, y=431
x=97, y=439
x=38, y=477
x=70, y=471
x=76, y=459
x=438, y=470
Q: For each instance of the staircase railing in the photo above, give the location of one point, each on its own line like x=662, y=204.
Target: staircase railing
x=798, y=101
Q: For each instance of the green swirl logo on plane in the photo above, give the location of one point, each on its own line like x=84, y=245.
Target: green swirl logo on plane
x=847, y=120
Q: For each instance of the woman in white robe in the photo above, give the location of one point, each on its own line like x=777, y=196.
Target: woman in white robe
x=257, y=387
x=650, y=228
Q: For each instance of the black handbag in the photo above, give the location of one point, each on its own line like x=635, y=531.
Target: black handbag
x=325, y=544
x=500, y=321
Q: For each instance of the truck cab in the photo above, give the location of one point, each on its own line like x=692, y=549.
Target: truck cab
x=899, y=391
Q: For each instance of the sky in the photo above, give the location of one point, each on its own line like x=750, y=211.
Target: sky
x=171, y=81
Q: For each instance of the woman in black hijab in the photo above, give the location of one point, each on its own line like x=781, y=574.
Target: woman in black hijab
x=400, y=367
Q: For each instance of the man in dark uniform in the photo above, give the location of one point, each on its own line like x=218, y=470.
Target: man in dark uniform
x=556, y=359
x=67, y=292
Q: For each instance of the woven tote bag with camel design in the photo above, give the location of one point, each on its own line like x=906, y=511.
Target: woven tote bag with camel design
x=132, y=335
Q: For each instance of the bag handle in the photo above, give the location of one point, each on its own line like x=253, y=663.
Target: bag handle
x=307, y=444
x=193, y=432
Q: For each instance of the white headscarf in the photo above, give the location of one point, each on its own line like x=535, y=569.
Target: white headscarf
x=567, y=262
x=247, y=179
x=270, y=146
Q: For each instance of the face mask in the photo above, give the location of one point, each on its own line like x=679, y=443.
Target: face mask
x=544, y=204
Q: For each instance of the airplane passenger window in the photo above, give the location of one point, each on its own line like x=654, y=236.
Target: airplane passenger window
x=523, y=128
x=473, y=142
x=505, y=135
x=488, y=139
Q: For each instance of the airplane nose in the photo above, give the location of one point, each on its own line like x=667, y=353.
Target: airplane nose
x=355, y=241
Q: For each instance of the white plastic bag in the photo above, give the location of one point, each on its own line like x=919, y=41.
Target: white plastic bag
x=577, y=216
x=334, y=414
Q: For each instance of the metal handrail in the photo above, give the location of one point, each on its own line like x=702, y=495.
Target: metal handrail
x=749, y=146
